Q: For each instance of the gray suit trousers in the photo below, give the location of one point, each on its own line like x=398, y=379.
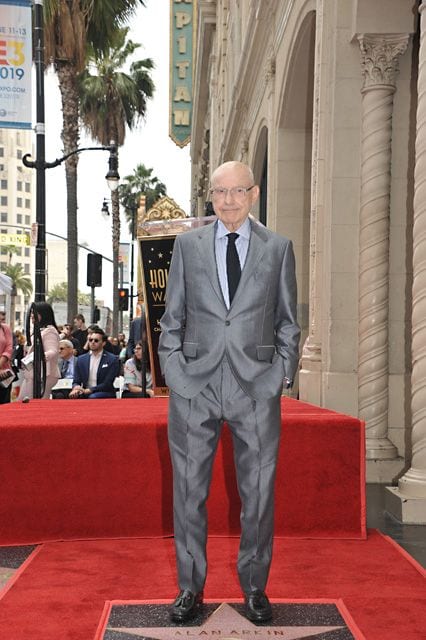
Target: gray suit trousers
x=194, y=432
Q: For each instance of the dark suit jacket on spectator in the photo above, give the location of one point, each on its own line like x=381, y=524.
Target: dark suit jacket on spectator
x=137, y=327
x=108, y=370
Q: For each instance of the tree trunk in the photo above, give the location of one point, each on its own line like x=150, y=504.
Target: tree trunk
x=70, y=137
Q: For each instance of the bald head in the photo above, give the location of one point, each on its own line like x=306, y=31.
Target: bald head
x=233, y=193
x=238, y=168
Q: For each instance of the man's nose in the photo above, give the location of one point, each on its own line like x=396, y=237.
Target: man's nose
x=229, y=196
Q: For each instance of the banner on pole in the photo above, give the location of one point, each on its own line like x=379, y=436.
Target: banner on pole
x=15, y=64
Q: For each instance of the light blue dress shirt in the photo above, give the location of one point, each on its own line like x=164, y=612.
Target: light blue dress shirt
x=221, y=243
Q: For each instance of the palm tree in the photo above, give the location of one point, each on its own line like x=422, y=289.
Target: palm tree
x=20, y=282
x=70, y=26
x=110, y=100
x=141, y=181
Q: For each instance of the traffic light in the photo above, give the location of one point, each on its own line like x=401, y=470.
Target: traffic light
x=123, y=299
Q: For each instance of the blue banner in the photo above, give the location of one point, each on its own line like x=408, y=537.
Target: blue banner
x=15, y=64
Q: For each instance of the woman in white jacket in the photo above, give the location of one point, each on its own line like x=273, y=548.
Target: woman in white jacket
x=50, y=341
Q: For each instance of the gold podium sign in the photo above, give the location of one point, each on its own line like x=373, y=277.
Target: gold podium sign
x=156, y=248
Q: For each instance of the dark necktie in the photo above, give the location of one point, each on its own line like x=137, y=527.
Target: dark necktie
x=233, y=267
x=64, y=369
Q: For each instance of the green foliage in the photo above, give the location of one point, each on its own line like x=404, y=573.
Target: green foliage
x=110, y=99
x=20, y=281
x=59, y=293
x=133, y=186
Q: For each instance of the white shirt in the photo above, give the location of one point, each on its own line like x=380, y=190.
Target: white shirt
x=93, y=369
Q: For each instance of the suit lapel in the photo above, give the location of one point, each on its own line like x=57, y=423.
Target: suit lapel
x=257, y=247
x=207, y=252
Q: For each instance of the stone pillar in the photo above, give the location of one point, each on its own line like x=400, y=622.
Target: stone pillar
x=379, y=61
x=408, y=501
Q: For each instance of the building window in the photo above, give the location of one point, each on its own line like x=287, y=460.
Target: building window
x=3, y=251
x=27, y=187
x=3, y=265
x=27, y=203
x=19, y=154
x=27, y=252
x=3, y=184
x=3, y=216
x=19, y=185
x=1, y=152
x=19, y=218
x=1, y=167
x=19, y=202
x=18, y=251
x=3, y=201
x=28, y=220
x=26, y=268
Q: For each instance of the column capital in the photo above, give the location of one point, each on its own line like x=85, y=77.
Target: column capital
x=380, y=57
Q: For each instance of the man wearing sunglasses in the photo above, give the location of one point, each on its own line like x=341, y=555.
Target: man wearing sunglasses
x=96, y=370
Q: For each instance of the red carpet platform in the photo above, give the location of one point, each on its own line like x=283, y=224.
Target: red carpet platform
x=72, y=469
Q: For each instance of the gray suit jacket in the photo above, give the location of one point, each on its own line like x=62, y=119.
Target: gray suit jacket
x=259, y=334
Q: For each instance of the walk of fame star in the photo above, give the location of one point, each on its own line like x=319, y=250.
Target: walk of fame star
x=225, y=623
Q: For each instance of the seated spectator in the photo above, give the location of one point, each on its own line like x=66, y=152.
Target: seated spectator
x=107, y=346
x=67, y=360
x=96, y=370
x=66, y=334
x=115, y=347
x=80, y=332
x=133, y=376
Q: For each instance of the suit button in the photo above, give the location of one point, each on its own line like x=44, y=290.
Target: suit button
x=227, y=323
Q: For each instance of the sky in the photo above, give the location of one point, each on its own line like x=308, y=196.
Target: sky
x=149, y=144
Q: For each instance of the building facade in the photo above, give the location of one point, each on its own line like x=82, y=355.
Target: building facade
x=16, y=201
x=325, y=100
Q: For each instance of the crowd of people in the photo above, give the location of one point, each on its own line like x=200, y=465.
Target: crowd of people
x=78, y=361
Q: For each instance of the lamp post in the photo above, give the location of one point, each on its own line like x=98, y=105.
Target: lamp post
x=112, y=177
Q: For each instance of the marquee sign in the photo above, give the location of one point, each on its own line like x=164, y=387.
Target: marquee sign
x=182, y=38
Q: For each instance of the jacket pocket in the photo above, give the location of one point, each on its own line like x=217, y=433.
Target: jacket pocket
x=265, y=353
x=189, y=349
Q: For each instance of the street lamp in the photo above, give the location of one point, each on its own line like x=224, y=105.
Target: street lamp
x=112, y=178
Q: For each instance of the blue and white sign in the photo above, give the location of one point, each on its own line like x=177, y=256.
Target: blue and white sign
x=15, y=64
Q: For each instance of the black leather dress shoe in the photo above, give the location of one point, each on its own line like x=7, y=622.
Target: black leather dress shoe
x=258, y=608
x=185, y=605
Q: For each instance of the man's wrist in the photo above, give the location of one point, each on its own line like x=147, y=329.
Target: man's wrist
x=288, y=383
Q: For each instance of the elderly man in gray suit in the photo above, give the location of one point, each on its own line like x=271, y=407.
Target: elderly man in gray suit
x=229, y=342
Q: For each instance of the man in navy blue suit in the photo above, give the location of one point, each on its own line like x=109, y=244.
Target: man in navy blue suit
x=96, y=370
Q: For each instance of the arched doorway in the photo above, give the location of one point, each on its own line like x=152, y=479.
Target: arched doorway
x=294, y=159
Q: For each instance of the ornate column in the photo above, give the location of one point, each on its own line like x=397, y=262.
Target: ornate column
x=379, y=62
x=408, y=502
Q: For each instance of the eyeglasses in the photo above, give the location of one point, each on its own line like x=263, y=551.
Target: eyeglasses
x=219, y=193
x=94, y=340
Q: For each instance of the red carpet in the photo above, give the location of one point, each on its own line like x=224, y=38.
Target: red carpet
x=61, y=593
x=72, y=469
